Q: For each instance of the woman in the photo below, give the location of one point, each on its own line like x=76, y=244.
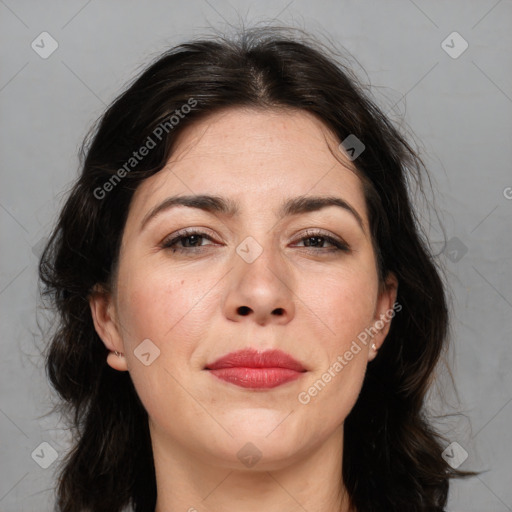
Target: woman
x=248, y=316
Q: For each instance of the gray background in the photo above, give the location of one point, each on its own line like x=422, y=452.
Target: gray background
x=459, y=108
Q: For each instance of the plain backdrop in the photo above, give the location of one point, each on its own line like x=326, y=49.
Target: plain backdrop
x=457, y=102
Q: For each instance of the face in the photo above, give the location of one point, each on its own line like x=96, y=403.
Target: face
x=197, y=282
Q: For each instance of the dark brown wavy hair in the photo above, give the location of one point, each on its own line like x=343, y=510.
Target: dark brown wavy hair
x=392, y=454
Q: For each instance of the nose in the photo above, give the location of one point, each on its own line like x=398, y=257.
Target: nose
x=261, y=291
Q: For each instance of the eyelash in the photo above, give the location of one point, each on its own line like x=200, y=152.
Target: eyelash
x=339, y=245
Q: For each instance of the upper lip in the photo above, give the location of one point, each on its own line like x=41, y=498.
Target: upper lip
x=251, y=358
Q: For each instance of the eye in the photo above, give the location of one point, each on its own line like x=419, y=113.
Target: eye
x=314, y=241
x=186, y=241
x=192, y=240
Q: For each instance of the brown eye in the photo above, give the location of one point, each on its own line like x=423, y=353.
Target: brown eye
x=186, y=240
x=317, y=239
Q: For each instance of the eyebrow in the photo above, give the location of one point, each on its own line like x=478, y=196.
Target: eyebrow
x=229, y=208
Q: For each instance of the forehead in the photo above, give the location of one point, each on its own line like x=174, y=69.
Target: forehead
x=255, y=157
x=254, y=134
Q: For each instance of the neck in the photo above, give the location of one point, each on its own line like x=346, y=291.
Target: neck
x=190, y=482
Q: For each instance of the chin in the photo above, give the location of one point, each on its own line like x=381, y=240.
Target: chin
x=255, y=453
x=261, y=423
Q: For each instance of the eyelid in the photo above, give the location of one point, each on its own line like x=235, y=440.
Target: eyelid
x=333, y=239
x=319, y=232
x=193, y=230
x=336, y=241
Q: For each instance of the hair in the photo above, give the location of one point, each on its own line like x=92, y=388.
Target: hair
x=392, y=454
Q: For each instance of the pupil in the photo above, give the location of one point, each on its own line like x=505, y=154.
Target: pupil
x=192, y=239
x=317, y=239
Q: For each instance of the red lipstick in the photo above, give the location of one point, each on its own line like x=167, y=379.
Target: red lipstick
x=252, y=369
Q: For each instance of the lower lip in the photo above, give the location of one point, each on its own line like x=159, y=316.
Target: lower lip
x=262, y=378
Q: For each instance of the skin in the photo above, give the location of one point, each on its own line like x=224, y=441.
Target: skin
x=187, y=304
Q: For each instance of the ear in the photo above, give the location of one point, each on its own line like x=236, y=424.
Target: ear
x=103, y=315
x=385, y=310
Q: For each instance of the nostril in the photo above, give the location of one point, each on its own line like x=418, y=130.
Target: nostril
x=244, y=310
x=278, y=311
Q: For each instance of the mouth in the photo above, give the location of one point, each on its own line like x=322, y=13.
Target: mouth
x=257, y=370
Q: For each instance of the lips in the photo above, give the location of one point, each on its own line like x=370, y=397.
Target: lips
x=252, y=369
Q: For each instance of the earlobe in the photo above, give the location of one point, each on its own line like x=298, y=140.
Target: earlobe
x=117, y=361
x=103, y=315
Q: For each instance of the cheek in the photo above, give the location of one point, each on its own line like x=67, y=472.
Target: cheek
x=166, y=307
x=171, y=310
x=344, y=302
